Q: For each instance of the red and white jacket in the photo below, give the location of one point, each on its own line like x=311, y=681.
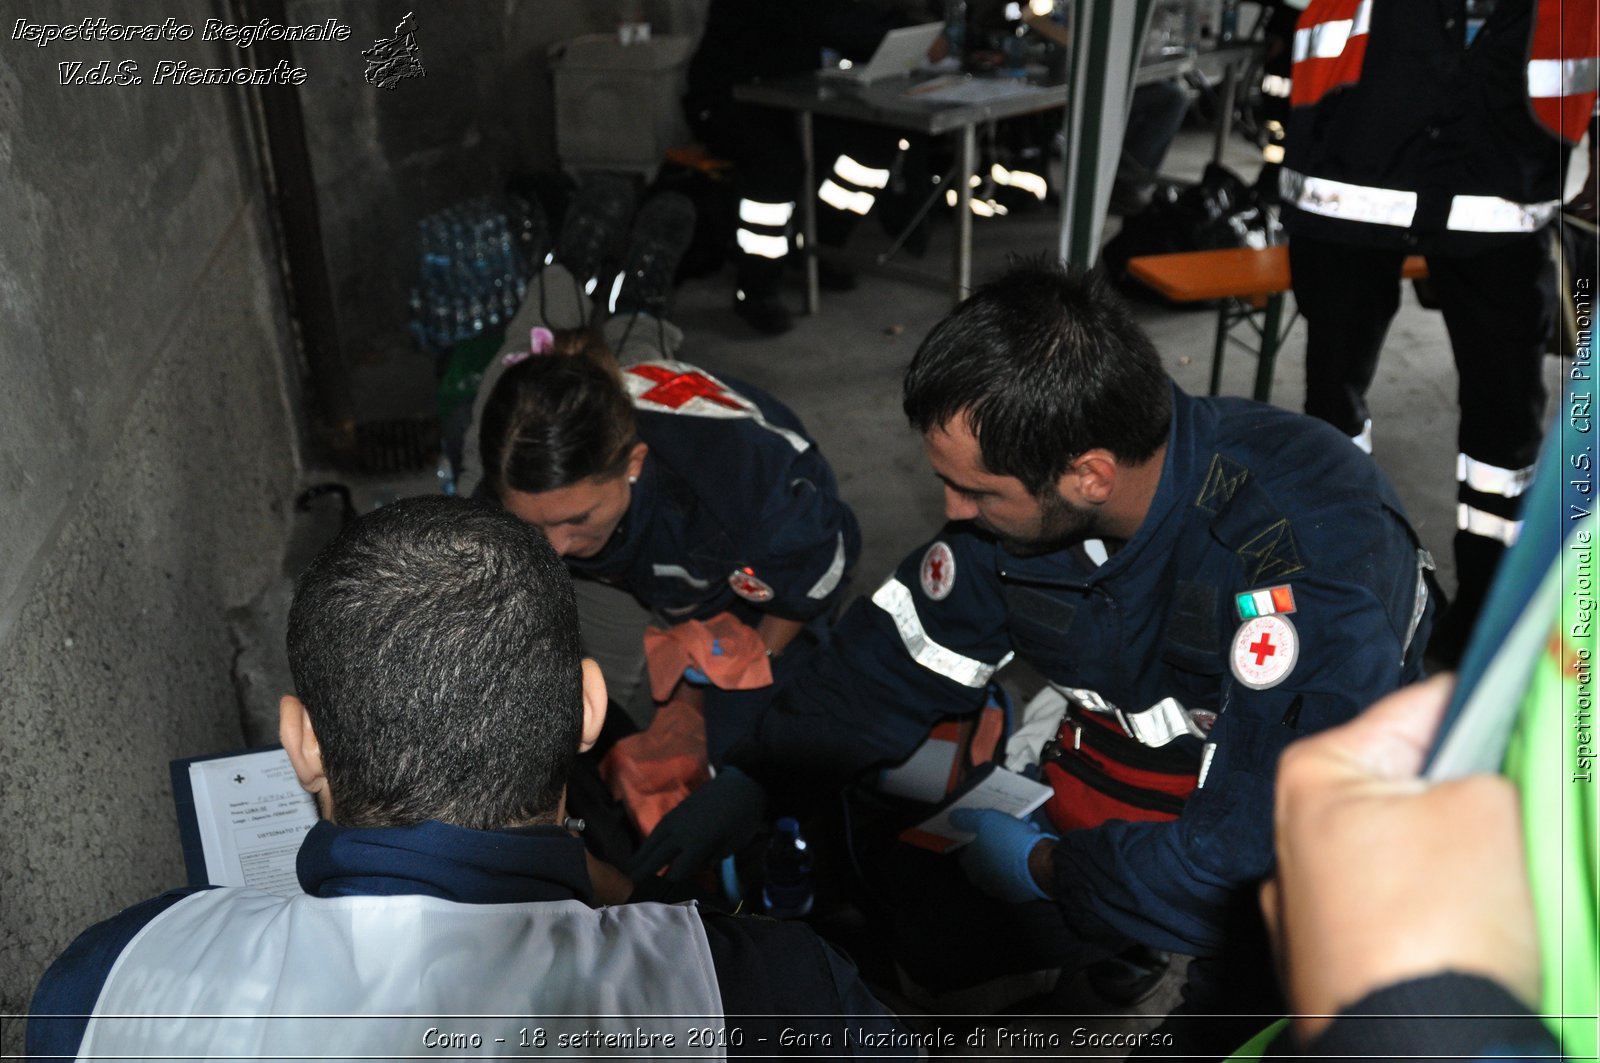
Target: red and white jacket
x=1404, y=134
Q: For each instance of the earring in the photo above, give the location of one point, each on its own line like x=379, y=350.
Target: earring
x=633, y=479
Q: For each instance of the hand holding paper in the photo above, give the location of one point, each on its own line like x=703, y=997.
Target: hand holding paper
x=996, y=860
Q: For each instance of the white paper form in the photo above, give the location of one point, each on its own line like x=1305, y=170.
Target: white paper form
x=252, y=815
x=1002, y=790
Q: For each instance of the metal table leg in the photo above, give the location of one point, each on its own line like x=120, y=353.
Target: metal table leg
x=1225, y=320
x=1269, y=348
x=966, y=162
x=1230, y=91
x=808, y=214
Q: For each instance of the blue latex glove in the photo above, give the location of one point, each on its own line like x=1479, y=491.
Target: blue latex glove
x=997, y=859
x=710, y=823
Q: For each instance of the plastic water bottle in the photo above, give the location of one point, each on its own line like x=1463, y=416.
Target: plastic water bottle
x=787, y=892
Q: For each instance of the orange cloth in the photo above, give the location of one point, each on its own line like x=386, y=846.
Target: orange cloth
x=742, y=664
x=652, y=771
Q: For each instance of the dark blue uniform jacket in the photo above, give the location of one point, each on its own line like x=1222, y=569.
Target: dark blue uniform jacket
x=1250, y=497
x=732, y=487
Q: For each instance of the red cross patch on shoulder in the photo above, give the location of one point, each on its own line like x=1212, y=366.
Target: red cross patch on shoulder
x=675, y=388
x=747, y=586
x=682, y=389
x=1264, y=652
x=938, y=572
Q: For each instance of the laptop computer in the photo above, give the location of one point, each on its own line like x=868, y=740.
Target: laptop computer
x=900, y=52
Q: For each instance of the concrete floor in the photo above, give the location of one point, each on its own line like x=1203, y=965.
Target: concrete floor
x=841, y=372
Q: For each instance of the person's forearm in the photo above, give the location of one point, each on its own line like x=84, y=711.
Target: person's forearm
x=777, y=632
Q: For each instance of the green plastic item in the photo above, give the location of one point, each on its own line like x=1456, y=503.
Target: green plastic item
x=464, y=372
x=1551, y=760
x=1256, y=1047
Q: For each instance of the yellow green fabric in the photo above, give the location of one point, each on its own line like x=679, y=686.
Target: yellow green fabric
x=1551, y=760
x=1256, y=1047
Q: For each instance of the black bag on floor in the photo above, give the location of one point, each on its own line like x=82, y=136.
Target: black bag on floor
x=1221, y=211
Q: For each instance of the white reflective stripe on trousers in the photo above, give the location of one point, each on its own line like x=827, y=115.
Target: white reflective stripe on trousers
x=857, y=174
x=895, y=599
x=773, y=214
x=839, y=197
x=1488, y=525
x=761, y=245
x=1491, y=479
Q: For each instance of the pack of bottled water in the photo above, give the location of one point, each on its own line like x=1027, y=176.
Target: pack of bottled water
x=476, y=258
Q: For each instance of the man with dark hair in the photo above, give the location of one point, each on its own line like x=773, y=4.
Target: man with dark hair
x=1203, y=580
x=441, y=701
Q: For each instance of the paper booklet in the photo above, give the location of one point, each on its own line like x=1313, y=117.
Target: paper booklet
x=241, y=818
x=989, y=787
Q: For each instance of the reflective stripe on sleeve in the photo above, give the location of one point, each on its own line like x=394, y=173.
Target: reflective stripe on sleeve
x=679, y=572
x=773, y=214
x=1563, y=77
x=1491, y=214
x=895, y=599
x=1477, y=522
x=1419, y=604
x=830, y=579
x=1340, y=199
x=763, y=246
x=859, y=175
x=1491, y=479
x=839, y=197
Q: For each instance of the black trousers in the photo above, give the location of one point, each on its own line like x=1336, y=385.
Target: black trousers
x=769, y=168
x=1498, y=307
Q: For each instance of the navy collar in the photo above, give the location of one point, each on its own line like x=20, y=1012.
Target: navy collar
x=1190, y=436
x=436, y=859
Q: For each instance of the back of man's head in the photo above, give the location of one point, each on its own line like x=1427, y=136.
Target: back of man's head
x=435, y=647
x=1045, y=363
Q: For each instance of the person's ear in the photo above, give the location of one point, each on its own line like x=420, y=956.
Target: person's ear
x=636, y=460
x=299, y=740
x=1090, y=479
x=594, y=705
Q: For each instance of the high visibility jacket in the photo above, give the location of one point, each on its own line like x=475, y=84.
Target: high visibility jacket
x=435, y=938
x=1404, y=134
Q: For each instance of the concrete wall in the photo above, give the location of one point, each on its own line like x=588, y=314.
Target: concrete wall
x=383, y=160
x=146, y=458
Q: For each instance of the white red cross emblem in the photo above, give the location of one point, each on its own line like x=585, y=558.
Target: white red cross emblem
x=1265, y=650
x=674, y=390
x=747, y=586
x=938, y=572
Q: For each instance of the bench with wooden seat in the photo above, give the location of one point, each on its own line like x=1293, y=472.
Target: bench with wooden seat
x=1250, y=282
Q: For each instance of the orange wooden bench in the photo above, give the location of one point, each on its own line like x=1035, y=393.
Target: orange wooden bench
x=1249, y=282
